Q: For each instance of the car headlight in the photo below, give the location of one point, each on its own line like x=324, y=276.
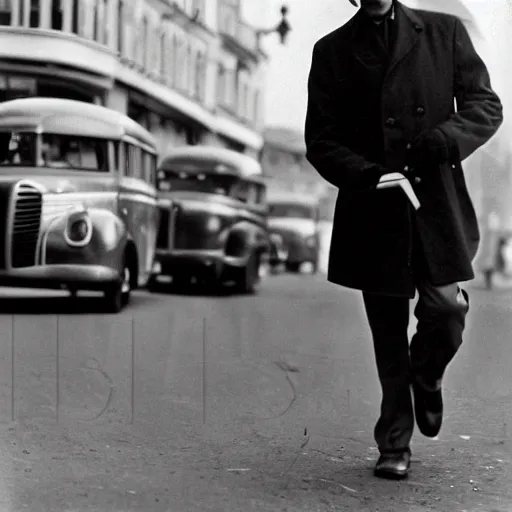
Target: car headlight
x=213, y=224
x=78, y=230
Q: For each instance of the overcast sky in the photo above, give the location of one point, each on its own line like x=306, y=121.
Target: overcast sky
x=289, y=65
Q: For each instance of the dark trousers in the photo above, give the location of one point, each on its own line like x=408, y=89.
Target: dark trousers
x=441, y=313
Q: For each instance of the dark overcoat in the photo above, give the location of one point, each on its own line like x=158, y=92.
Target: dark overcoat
x=434, y=79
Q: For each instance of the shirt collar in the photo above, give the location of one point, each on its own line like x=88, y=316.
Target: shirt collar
x=389, y=15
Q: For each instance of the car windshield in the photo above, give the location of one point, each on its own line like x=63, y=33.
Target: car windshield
x=207, y=182
x=58, y=151
x=290, y=210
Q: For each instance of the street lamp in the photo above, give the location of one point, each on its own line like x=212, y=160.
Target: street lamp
x=282, y=29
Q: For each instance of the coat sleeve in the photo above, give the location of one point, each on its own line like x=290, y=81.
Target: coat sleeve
x=326, y=146
x=479, y=110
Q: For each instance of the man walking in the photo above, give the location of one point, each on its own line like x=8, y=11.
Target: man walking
x=402, y=90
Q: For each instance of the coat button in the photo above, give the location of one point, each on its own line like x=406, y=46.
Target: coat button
x=406, y=168
x=408, y=146
x=417, y=179
x=420, y=111
x=390, y=121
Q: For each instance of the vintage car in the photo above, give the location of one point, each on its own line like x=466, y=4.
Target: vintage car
x=77, y=198
x=295, y=217
x=213, y=218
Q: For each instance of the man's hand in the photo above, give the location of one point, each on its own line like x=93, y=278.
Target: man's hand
x=374, y=172
x=430, y=148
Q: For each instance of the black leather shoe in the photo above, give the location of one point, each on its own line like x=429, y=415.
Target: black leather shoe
x=393, y=466
x=428, y=409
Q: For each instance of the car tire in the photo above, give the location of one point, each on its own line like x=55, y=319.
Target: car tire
x=293, y=266
x=113, y=299
x=250, y=275
x=118, y=296
x=152, y=284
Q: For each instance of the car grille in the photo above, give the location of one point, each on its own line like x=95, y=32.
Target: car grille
x=162, y=239
x=191, y=230
x=26, y=225
x=166, y=227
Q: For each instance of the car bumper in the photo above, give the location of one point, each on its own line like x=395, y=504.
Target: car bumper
x=84, y=277
x=213, y=262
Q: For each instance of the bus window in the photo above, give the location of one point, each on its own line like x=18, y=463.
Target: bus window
x=125, y=151
x=134, y=168
x=241, y=191
x=252, y=193
x=150, y=168
x=117, y=147
x=18, y=149
x=70, y=152
x=261, y=193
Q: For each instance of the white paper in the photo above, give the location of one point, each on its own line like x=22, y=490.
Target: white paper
x=396, y=179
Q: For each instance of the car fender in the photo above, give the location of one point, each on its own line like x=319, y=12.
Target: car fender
x=245, y=237
x=106, y=246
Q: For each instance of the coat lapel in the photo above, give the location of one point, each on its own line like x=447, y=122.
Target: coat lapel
x=408, y=31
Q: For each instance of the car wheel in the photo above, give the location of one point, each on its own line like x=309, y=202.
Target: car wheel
x=250, y=275
x=126, y=285
x=293, y=267
x=152, y=284
x=114, y=299
x=119, y=295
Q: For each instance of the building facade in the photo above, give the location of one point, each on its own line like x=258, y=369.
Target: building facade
x=190, y=71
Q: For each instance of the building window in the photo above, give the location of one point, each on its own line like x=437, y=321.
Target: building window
x=221, y=93
x=163, y=57
x=180, y=63
x=57, y=15
x=5, y=12
x=198, y=10
x=186, y=69
x=245, y=99
x=199, y=74
x=75, y=17
x=95, y=20
x=144, y=43
x=120, y=27
x=192, y=75
x=174, y=59
x=105, y=25
x=256, y=106
x=34, y=13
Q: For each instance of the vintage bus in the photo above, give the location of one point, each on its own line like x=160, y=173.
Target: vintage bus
x=78, y=206
x=213, y=211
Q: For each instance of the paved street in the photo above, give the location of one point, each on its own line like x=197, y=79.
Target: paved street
x=265, y=403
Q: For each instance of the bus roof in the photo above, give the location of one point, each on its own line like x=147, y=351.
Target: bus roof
x=291, y=197
x=245, y=165
x=71, y=117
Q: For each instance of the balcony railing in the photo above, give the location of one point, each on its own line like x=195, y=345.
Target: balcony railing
x=232, y=26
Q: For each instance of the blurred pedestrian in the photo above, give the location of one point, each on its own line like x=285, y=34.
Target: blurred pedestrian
x=491, y=249
x=382, y=93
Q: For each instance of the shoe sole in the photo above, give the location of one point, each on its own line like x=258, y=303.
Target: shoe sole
x=391, y=475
